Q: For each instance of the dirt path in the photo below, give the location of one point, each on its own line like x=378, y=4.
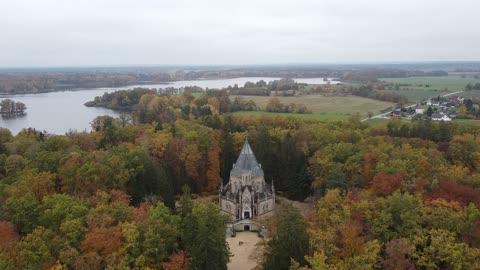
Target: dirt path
x=245, y=254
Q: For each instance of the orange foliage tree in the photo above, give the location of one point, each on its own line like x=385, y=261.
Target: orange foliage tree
x=177, y=261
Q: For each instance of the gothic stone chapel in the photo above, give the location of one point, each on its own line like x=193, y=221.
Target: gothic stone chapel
x=246, y=194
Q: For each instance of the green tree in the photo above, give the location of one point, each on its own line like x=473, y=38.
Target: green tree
x=208, y=248
x=227, y=155
x=336, y=178
x=59, y=207
x=429, y=111
x=24, y=212
x=72, y=231
x=438, y=249
x=400, y=218
x=187, y=220
x=160, y=235
x=36, y=249
x=14, y=165
x=290, y=241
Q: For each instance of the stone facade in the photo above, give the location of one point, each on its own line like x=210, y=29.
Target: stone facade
x=246, y=194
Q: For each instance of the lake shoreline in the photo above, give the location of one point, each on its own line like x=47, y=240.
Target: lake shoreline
x=166, y=84
x=60, y=112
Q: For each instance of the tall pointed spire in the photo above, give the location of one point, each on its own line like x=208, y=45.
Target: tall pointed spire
x=246, y=161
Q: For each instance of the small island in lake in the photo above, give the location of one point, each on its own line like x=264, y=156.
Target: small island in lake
x=9, y=108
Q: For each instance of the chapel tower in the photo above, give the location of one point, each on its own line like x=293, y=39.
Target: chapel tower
x=246, y=194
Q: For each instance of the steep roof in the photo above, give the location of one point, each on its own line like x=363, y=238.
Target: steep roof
x=246, y=162
x=439, y=115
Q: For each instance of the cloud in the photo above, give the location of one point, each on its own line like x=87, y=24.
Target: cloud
x=127, y=32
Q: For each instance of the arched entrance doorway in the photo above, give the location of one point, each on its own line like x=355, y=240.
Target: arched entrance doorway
x=246, y=213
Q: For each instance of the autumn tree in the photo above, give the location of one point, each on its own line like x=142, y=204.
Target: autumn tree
x=398, y=253
x=36, y=249
x=177, y=261
x=213, y=171
x=274, y=105
x=102, y=241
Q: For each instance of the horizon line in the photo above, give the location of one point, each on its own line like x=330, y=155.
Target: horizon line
x=340, y=63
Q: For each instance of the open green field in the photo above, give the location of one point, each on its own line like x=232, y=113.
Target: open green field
x=467, y=122
x=197, y=94
x=327, y=107
x=417, y=90
x=315, y=116
x=381, y=122
x=445, y=83
x=421, y=88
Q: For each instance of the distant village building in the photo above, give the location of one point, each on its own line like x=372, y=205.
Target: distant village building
x=419, y=109
x=247, y=195
x=397, y=113
x=439, y=116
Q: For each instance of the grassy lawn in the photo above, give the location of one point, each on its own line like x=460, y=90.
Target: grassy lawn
x=381, y=122
x=197, y=94
x=467, y=122
x=377, y=122
x=327, y=107
x=417, y=89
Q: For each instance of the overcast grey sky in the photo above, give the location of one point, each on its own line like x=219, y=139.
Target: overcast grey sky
x=131, y=32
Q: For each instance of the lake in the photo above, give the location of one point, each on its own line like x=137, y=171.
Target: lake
x=60, y=112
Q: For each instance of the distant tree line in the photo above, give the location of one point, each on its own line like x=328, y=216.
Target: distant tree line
x=274, y=105
x=47, y=81
x=471, y=86
x=374, y=90
x=371, y=75
x=241, y=104
x=368, y=92
x=120, y=100
x=261, y=88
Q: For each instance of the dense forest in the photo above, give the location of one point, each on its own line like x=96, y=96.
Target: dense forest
x=402, y=196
